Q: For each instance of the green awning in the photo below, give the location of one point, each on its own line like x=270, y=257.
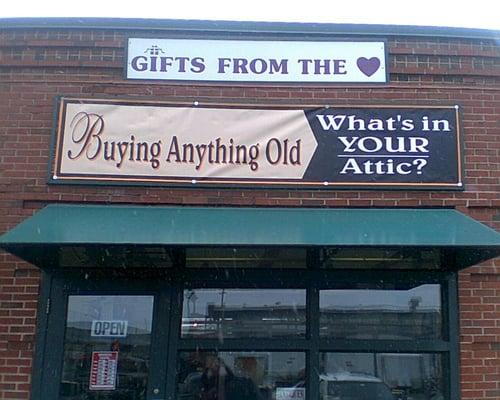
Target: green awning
x=55, y=226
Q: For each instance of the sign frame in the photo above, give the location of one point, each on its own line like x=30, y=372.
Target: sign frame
x=265, y=38
x=227, y=183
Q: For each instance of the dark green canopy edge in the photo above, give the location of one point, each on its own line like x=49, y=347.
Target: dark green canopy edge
x=89, y=225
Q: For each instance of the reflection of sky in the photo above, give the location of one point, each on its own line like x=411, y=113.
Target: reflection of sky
x=425, y=297
x=137, y=310
x=428, y=297
x=243, y=297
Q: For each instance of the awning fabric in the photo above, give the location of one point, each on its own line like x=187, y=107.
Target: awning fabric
x=67, y=225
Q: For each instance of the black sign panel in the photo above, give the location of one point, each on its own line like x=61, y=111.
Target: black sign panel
x=390, y=146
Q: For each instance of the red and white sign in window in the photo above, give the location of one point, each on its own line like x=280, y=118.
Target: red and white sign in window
x=103, y=370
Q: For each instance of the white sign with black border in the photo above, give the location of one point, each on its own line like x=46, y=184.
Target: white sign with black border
x=257, y=61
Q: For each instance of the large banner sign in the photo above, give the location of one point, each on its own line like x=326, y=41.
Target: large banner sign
x=257, y=61
x=336, y=147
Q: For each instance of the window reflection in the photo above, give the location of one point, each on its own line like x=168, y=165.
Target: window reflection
x=212, y=375
x=239, y=313
x=380, y=258
x=114, y=256
x=381, y=314
x=245, y=257
x=382, y=376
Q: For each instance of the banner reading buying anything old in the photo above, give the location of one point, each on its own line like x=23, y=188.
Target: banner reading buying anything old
x=257, y=61
x=336, y=147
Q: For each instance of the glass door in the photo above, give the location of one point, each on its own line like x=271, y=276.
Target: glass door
x=107, y=347
x=103, y=338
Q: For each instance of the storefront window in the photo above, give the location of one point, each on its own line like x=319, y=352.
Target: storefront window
x=246, y=257
x=241, y=375
x=115, y=257
x=380, y=258
x=243, y=313
x=381, y=313
x=107, y=346
x=334, y=337
x=381, y=376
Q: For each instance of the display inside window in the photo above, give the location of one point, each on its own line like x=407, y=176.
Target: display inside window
x=243, y=313
x=380, y=258
x=241, y=375
x=387, y=314
x=381, y=376
x=106, y=348
x=114, y=256
x=246, y=257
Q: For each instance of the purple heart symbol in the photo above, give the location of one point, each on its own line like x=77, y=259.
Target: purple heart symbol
x=368, y=66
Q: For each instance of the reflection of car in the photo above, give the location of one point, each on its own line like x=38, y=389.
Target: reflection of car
x=199, y=326
x=190, y=387
x=352, y=386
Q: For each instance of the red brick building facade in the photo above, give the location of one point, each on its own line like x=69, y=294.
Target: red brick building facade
x=42, y=59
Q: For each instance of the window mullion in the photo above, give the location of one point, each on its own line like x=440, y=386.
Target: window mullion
x=312, y=360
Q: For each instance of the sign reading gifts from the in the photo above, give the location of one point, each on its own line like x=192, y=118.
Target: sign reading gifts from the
x=257, y=61
x=336, y=147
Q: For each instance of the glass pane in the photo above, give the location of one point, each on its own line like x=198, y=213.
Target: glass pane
x=115, y=257
x=106, y=347
x=380, y=258
x=245, y=375
x=243, y=313
x=246, y=257
x=381, y=376
x=381, y=314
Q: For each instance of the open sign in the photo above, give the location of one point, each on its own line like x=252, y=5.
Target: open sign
x=109, y=328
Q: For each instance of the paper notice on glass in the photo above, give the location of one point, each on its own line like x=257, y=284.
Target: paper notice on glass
x=290, y=393
x=103, y=370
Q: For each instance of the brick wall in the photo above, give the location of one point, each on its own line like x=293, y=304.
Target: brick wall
x=38, y=64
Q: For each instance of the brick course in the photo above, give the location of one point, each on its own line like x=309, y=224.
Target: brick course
x=38, y=64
